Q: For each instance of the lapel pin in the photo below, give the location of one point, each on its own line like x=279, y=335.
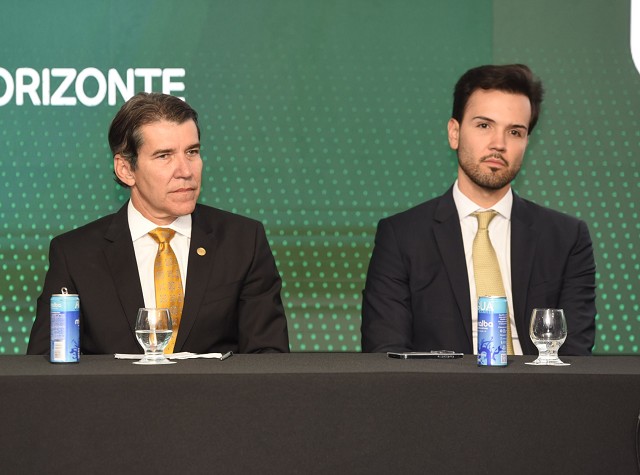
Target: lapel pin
x=201, y=251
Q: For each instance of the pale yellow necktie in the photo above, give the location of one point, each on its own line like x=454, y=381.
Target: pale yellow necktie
x=168, y=283
x=486, y=268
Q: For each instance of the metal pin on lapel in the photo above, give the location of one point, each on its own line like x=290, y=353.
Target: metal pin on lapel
x=201, y=251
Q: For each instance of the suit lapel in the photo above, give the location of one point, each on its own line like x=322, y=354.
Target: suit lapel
x=202, y=252
x=449, y=240
x=523, y=250
x=121, y=260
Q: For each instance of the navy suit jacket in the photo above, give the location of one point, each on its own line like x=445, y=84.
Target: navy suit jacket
x=232, y=296
x=416, y=296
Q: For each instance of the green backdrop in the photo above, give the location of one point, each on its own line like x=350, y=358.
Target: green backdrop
x=318, y=118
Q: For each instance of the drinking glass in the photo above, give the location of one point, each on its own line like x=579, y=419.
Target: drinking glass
x=153, y=331
x=548, y=331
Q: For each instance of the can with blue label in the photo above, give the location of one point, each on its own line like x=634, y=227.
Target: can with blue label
x=493, y=315
x=65, y=327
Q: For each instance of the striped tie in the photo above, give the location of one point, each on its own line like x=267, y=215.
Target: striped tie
x=168, y=283
x=486, y=268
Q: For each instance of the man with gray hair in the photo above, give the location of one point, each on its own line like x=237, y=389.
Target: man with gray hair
x=214, y=270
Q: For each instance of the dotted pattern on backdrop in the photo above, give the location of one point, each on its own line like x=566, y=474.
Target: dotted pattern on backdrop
x=319, y=187
x=53, y=179
x=597, y=169
x=321, y=138
x=331, y=151
x=313, y=122
x=318, y=157
x=583, y=160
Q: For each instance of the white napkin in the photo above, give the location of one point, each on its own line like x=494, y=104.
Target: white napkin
x=172, y=356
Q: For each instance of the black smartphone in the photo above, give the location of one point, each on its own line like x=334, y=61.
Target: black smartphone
x=425, y=355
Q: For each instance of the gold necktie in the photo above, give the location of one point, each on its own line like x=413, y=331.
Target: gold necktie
x=486, y=268
x=167, y=279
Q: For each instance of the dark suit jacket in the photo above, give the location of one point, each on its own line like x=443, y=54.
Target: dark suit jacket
x=232, y=296
x=416, y=297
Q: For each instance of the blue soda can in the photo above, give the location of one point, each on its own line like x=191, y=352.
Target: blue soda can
x=493, y=313
x=65, y=327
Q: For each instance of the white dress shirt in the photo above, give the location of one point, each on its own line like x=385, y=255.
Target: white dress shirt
x=146, y=249
x=500, y=235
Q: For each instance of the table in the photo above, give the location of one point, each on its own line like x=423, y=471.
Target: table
x=319, y=413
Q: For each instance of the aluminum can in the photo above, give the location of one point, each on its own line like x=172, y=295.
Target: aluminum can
x=65, y=327
x=493, y=314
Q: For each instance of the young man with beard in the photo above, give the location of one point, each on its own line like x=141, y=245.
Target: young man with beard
x=420, y=292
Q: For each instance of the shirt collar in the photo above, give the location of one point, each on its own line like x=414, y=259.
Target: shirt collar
x=140, y=226
x=466, y=207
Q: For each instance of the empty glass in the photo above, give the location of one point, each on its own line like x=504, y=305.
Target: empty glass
x=548, y=331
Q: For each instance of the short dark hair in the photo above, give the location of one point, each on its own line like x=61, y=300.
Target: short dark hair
x=513, y=78
x=143, y=109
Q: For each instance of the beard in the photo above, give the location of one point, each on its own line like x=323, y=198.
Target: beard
x=494, y=179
